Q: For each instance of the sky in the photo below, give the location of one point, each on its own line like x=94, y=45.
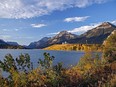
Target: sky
x=26, y=21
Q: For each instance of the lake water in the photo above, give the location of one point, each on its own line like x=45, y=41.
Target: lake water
x=68, y=58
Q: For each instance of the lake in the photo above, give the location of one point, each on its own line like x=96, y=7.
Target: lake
x=68, y=58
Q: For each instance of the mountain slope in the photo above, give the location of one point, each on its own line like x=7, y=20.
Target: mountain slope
x=104, y=28
x=39, y=44
x=94, y=36
x=63, y=36
x=10, y=45
x=2, y=42
x=13, y=43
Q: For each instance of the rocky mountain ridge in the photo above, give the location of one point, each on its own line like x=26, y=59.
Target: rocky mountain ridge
x=94, y=36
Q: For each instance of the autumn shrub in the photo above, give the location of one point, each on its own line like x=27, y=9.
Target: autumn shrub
x=91, y=72
x=110, y=47
x=22, y=74
x=53, y=73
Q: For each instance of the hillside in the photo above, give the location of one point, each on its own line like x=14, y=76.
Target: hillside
x=62, y=37
x=39, y=44
x=94, y=36
x=10, y=45
x=13, y=43
x=75, y=47
x=2, y=42
x=97, y=35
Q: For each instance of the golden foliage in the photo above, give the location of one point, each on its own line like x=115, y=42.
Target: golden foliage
x=75, y=47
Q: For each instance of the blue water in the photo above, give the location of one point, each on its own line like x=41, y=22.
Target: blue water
x=68, y=58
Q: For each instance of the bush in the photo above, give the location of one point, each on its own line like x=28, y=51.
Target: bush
x=110, y=48
x=22, y=73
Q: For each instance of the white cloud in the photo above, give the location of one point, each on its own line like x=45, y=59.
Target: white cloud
x=38, y=25
x=53, y=33
x=113, y=22
x=5, y=37
x=16, y=29
x=32, y=8
x=5, y=30
x=8, y=30
x=76, y=19
x=21, y=37
x=85, y=28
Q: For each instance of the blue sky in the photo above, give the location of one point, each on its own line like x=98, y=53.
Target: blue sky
x=25, y=21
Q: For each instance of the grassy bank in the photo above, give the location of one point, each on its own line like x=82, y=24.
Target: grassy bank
x=76, y=47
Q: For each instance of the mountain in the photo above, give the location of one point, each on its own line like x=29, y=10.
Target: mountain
x=63, y=36
x=39, y=44
x=10, y=45
x=97, y=35
x=13, y=43
x=104, y=28
x=94, y=36
x=2, y=42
